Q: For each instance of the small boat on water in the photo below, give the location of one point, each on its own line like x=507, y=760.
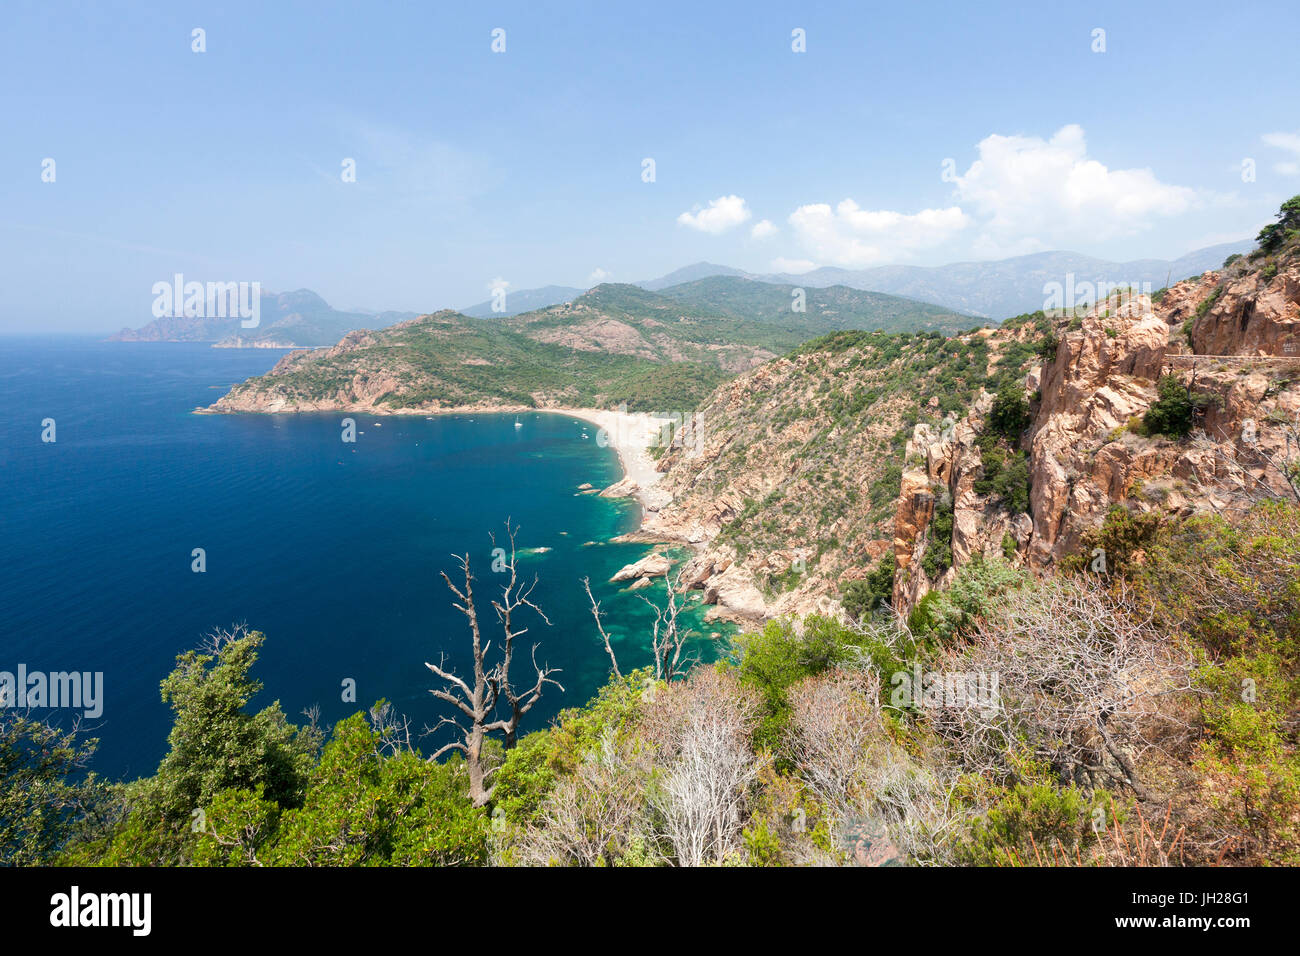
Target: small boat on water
x=518, y=423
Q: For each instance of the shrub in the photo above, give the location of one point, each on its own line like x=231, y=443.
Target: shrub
x=1174, y=412
x=938, y=551
x=864, y=596
x=1009, y=415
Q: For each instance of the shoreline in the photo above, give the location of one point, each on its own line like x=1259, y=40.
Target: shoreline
x=630, y=434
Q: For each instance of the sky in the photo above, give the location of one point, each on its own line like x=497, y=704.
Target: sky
x=899, y=133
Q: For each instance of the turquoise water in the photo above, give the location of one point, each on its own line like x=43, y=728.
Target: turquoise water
x=333, y=550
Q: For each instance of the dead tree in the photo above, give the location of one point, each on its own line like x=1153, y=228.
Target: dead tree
x=667, y=639
x=479, y=698
x=1255, y=472
x=595, y=612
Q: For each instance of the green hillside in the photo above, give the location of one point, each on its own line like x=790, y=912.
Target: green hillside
x=616, y=343
x=831, y=309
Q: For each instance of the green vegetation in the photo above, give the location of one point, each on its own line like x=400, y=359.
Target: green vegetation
x=1176, y=409
x=1113, y=545
x=1283, y=232
x=941, y=616
x=1189, y=660
x=239, y=788
x=42, y=795
x=614, y=344
x=863, y=596
x=826, y=309
x=938, y=551
x=1005, y=474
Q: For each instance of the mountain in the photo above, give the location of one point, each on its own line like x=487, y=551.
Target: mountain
x=615, y=343
x=525, y=300
x=698, y=270
x=799, y=462
x=300, y=319
x=1005, y=287
x=861, y=455
x=829, y=309
x=612, y=344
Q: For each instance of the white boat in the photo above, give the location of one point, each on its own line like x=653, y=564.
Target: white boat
x=518, y=423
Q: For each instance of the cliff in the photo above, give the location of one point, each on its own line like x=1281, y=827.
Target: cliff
x=1230, y=340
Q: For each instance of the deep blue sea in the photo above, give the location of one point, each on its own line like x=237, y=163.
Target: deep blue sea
x=332, y=550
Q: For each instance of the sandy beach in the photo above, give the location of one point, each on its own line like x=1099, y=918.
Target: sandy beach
x=631, y=434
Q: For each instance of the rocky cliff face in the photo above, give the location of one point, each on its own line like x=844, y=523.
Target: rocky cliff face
x=1234, y=337
x=942, y=469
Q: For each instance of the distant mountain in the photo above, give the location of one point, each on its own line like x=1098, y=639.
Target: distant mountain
x=1005, y=287
x=525, y=300
x=300, y=319
x=830, y=309
x=699, y=270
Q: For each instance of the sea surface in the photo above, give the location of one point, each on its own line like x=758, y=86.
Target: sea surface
x=333, y=550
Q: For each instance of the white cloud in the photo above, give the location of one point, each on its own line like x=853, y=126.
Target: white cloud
x=723, y=213
x=598, y=275
x=1290, y=142
x=1022, y=194
x=855, y=237
x=793, y=266
x=1028, y=193
x=763, y=229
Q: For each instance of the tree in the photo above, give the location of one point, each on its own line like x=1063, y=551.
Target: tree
x=699, y=731
x=835, y=716
x=863, y=596
x=1275, y=234
x=364, y=806
x=667, y=638
x=1009, y=415
x=215, y=744
x=491, y=685
x=1085, y=684
x=1174, y=412
x=41, y=804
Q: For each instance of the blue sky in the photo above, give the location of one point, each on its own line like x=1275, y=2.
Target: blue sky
x=527, y=165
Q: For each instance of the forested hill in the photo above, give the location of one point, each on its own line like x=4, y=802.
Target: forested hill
x=614, y=344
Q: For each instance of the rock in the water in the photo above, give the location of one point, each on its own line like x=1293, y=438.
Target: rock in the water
x=652, y=565
x=625, y=488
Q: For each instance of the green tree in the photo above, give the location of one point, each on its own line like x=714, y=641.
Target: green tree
x=1276, y=234
x=215, y=743
x=864, y=596
x=362, y=807
x=41, y=801
x=1174, y=412
x=1009, y=415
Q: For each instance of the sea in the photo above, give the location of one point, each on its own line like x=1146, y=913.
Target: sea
x=332, y=549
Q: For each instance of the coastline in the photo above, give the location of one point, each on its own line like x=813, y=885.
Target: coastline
x=630, y=434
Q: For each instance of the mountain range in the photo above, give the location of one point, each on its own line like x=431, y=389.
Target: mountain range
x=994, y=289
x=893, y=298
